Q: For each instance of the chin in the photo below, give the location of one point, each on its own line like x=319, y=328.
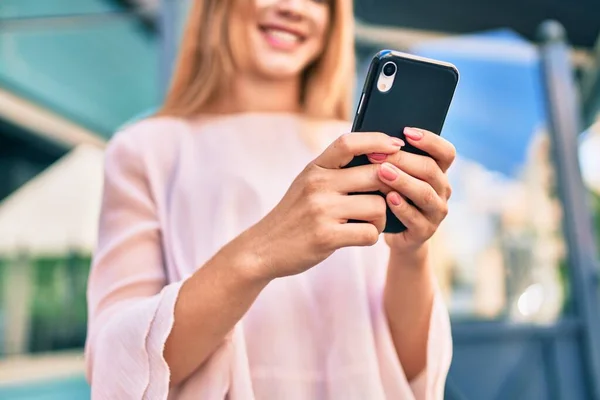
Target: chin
x=281, y=55
x=276, y=69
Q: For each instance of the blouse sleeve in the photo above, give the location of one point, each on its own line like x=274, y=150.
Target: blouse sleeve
x=430, y=383
x=130, y=304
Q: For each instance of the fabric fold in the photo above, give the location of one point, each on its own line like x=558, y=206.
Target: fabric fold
x=160, y=329
x=430, y=383
x=125, y=357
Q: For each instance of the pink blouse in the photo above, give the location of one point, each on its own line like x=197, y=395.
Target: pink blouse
x=177, y=191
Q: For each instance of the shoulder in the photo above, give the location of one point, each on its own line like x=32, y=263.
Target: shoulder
x=335, y=126
x=339, y=127
x=149, y=132
x=149, y=136
x=145, y=143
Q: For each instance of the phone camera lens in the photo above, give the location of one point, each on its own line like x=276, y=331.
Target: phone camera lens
x=389, y=69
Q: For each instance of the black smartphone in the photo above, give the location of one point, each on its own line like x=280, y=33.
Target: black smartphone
x=403, y=90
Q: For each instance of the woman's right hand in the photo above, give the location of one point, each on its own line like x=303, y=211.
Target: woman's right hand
x=310, y=222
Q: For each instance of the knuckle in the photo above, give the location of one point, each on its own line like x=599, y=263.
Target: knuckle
x=429, y=197
x=314, y=181
x=373, y=175
x=344, y=143
x=424, y=229
x=374, y=237
x=410, y=214
x=373, y=170
x=429, y=231
x=412, y=218
x=381, y=136
x=316, y=205
x=451, y=152
x=448, y=190
x=370, y=236
x=379, y=205
x=311, y=168
x=380, y=225
x=324, y=238
x=395, y=159
x=430, y=169
x=444, y=209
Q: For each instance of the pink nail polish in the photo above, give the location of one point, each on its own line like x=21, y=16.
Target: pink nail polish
x=413, y=133
x=397, y=141
x=388, y=172
x=377, y=156
x=395, y=198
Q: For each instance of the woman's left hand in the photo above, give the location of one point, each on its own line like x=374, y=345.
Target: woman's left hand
x=421, y=179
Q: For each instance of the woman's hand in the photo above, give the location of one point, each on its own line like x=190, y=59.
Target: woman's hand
x=421, y=179
x=310, y=222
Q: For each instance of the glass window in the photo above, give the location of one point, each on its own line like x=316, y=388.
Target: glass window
x=98, y=73
x=37, y=8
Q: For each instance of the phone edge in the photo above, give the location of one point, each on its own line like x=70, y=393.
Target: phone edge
x=382, y=54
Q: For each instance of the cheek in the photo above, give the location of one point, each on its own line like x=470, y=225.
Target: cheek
x=259, y=4
x=240, y=39
x=321, y=27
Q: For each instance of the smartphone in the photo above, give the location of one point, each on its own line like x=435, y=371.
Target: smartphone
x=403, y=90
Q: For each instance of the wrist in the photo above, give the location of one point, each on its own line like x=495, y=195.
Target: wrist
x=416, y=257
x=408, y=268
x=252, y=258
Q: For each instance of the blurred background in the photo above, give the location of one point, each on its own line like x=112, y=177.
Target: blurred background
x=517, y=257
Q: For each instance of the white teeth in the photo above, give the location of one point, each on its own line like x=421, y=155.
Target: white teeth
x=283, y=36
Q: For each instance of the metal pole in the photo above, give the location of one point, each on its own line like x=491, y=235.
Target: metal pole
x=564, y=118
x=168, y=30
x=590, y=87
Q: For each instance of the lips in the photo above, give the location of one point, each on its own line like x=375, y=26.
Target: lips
x=282, y=37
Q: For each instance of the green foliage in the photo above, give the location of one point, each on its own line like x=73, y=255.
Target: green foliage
x=59, y=310
x=596, y=216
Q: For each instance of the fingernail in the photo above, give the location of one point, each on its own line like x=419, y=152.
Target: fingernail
x=388, y=172
x=413, y=133
x=395, y=198
x=378, y=156
x=397, y=141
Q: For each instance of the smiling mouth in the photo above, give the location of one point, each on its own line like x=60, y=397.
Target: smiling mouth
x=281, y=37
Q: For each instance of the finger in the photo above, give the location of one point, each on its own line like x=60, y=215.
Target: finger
x=360, y=234
x=416, y=223
x=362, y=178
x=419, y=192
x=366, y=207
x=423, y=168
x=347, y=146
x=441, y=150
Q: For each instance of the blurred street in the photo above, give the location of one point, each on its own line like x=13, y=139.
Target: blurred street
x=516, y=258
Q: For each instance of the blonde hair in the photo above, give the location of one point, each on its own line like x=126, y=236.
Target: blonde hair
x=206, y=62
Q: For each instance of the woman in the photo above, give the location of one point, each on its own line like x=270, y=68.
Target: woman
x=225, y=265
